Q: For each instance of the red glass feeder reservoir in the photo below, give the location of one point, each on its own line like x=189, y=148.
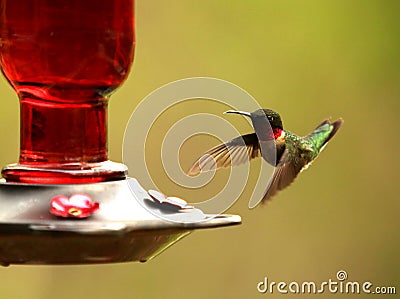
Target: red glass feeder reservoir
x=64, y=58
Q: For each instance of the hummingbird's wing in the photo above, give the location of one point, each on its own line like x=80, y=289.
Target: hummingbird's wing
x=285, y=173
x=237, y=151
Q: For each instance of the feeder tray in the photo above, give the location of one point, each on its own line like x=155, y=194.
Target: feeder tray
x=127, y=227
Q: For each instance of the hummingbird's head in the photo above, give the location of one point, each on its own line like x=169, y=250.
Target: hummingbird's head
x=273, y=117
x=259, y=118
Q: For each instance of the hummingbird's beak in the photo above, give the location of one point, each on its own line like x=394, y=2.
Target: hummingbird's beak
x=248, y=114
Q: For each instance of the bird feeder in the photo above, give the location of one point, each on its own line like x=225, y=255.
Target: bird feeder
x=64, y=202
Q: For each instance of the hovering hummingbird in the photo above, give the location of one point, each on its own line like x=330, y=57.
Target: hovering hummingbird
x=291, y=154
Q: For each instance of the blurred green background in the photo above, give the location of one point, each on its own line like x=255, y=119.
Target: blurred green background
x=306, y=59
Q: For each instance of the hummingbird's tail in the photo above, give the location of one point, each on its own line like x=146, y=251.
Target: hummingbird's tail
x=325, y=131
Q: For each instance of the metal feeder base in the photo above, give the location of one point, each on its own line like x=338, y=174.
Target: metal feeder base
x=126, y=228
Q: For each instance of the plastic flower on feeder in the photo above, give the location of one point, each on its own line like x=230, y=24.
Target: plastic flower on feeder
x=75, y=206
x=170, y=200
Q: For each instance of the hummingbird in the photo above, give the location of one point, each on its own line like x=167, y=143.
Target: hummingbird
x=291, y=153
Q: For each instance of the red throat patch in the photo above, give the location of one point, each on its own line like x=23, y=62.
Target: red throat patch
x=277, y=132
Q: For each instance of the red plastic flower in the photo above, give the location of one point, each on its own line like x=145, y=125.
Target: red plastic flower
x=76, y=206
